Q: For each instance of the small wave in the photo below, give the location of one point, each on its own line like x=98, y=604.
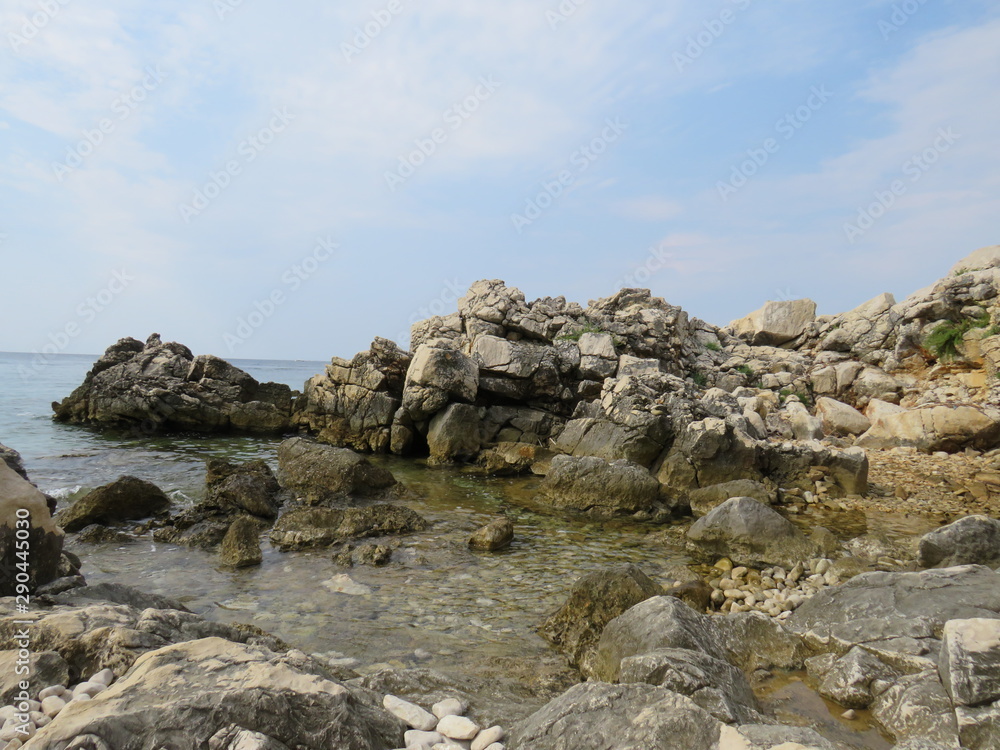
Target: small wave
x=61, y=493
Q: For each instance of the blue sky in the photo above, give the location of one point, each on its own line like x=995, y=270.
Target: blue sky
x=266, y=181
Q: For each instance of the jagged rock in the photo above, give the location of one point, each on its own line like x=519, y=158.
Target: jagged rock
x=970, y=661
x=495, y=535
x=20, y=501
x=454, y=434
x=13, y=459
x=511, y=459
x=212, y=684
x=125, y=499
x=935, y=428
x=750, y=533
x=437, y=376
x=801, y=424
x=598, y=487
x=241, y=545
x=97, y=534
x=164, y=386
x=237, y=738
x=973, y=540
x=916, y=707
x=320, y=473
x=848, y=680
x=303, y=527
x=352, y=404
x=839, y=418
x=232, y=491
x=594, y=601
x=776, y=323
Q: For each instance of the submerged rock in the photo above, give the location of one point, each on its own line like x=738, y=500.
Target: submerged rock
x=495, y=535
x=160, y=386
x=241, y=545
x=304, y=527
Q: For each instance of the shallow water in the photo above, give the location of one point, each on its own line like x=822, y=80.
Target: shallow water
x=437, y=604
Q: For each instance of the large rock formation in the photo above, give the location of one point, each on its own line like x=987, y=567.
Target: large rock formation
x=163, y=386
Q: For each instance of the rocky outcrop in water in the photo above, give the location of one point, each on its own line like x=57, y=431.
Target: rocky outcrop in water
x=125, y=499
x=163, y=386
x=32, y=557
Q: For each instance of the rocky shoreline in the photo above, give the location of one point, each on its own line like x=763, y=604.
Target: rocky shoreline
x=627, y=409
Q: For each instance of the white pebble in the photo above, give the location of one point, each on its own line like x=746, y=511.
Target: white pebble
x=449, y=707
x=458, y=727
x=410, y=713
x=415, y=738
x=52, y=690
x=89, y=688
x=105, y=677
x=52, y=705
x=80, y=697
x=496, y=746
x=488, y=737
x=7, y=712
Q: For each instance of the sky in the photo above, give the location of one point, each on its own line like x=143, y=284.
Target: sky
x=259, y=180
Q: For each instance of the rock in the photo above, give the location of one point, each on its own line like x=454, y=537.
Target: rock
x=973, y=540
x=749, y=532
x=374, y=554
x=247, y=490
x=97, y=534
x=305, y=527
x=409, y=713
x=454, y=434
x=715, y=685
x=970, y=661
x=352, y=404
x=696, y=594
x=840, y=419
x=12, y=458
x=20, y=501
x=595, y=715
x=212, y=684
x=849, y=681
x=437, y=376
x=511, y=459
x=598, y=487
x=496, y=535
x=934, y=428
x=320, y=472
x=449, y=707
x=771, y=737
x=237, y=738
x=917, y=707
x=488, y=737
x=705, y=499
x=125, y=499
x=47, y=668
x=241, y=545
x=457, y=727
x=776, y=323
x=160, y=386
x=594, y=601
x=802, y=424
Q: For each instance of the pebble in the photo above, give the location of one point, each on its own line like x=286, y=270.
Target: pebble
x=52, y=705
x=488, y=737
x=410, y=713
x=89, y=688
x=52, y=690
x=850, y=715
x=449, y=707
x=772, y=591
x=458, y=728
x=105, y=677
x=416, y=738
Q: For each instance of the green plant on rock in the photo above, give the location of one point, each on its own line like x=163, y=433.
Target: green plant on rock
x=803, y=396
x=943, y=342
x=713, y=346
x=700, y=379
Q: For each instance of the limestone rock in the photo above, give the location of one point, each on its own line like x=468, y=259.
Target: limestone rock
x=241, y=545
x=160, y=386
x=749, y=532
x=839, y=418
x=13, y=459
x=970, y=661
x=776, y=323
x=935, y=428
x=436, y=376
x=706, y=499
x=20, y=501
x=212, y=684
x=594, y=601
x=973, y=540
x=47, y=668
x=125, y=499
x=495, y=535
x=320, y=472
x=304, y=527
x=454, y=434
x=598, y=487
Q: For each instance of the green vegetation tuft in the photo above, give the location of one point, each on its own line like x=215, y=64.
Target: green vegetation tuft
x=944, y=340
x=700, y=379
x=804, y=397
x=747, y=370
x=713, y=346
